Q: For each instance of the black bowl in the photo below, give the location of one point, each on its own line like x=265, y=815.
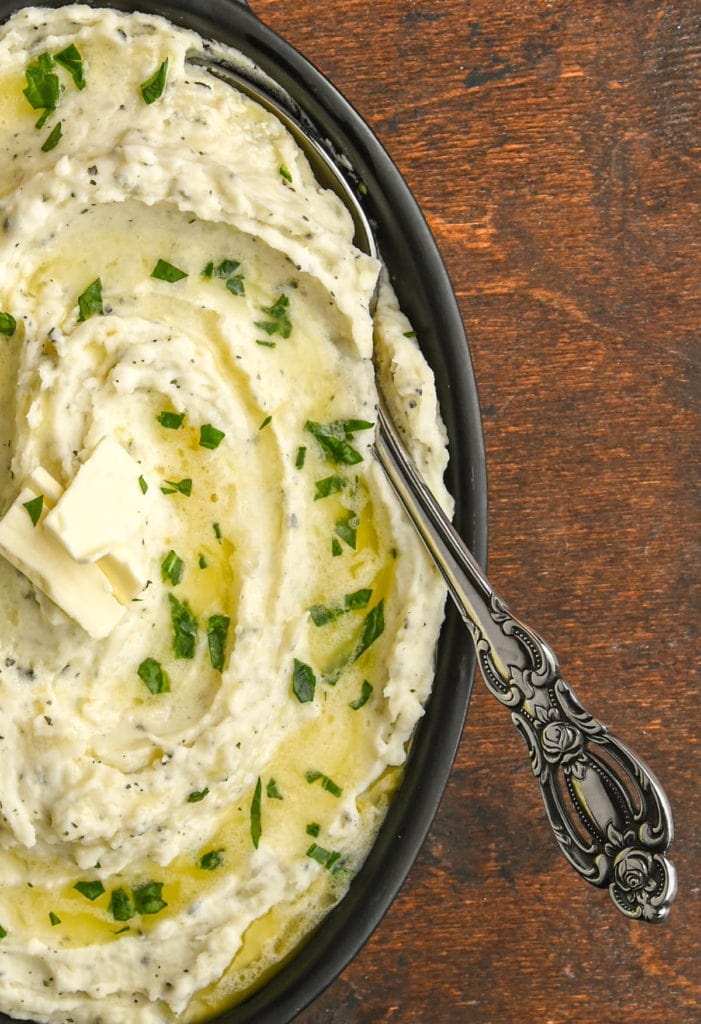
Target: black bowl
x=426, y=295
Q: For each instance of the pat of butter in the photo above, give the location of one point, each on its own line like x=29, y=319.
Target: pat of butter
x=81, y=590
x=102, y=507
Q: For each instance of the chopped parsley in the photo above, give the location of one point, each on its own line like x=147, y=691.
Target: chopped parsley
x=334, y=439
x=265, y=422
x=172, y=568
x=303, y=681
x=54, y=919
x=91, y=890
x=313, y=829
x=346, y=527
x=272, y=791
x=171, y=420
x=154, y=676
x=90, y=302
x=184, y=628
x=336, y=548
x=328, y=486
x=178, y=486
x=373, y=627
x=217, y=631
x=326, y=783
x=210, y=437
x=322, y=614
x=211, y=860
x=197, y=795
x=8, y=324
x=53, y=138
x=143, y=485
x=217, y=531
x=148, y=899
x=285, y=174
x=202, y=562
x=72, y=61
x=327, y=858
x=301, y=456
x=121, y=906
x=226, y=270
x=164, y=271
x=278, y=321
x=152, y=88
x=34, y=508
x=43, y=87
x=365, y=694
x=256, y=828
x=3, y=932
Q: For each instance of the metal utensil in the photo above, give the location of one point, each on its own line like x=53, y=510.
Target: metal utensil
x=607, y=810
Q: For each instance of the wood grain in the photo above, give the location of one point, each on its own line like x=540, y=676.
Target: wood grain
x=553, y=146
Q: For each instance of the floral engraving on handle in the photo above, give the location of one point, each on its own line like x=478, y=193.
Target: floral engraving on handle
x=607, y=811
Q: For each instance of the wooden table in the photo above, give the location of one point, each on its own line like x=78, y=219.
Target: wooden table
x=552, y=147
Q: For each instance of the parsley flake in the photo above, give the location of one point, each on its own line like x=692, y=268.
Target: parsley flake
x=8, y=324
x=279, y=321
x=272, y=791
x=184, y=628
x=34, y=508
x=197, y=795
x=334, y=439
x=164, y=271
x=171, y=420
x=72, y=61
x=121, y=906
x=152, y=88
x=172, y=568
x=90, y=302
x=154, y=676
x=217, y=631
x=365, y=695
x=54, y=919
x=43, y=87
x=91, y=890
x=148, y=899
x=303, y=682
x=211, y=860
x=256, y=828
x=210, y=437
x=53, y=139
x=178, y=486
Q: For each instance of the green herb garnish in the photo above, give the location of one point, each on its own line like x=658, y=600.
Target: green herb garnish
x=54, y=919
x=90, y=302
x=211, y=860
x=322, y=614
x=334, y=439
x=217, y=631
x=72, y=61
x=91, y=890
x=184, y=628
x=346, y=527
x=272, y=791
x=303, y=682
x=121, y=906
x=153, y=87
x=202, y=562
x=313, y=829
x=301, y=456
x=143, y=485
x=8, y=324
x=148, y=899
x=43, y=87
x=171, y=420
x=164, y=271
x=279, y=321
x=265, y=422
x=217, y=531
x=328, y=486
x=327, y=858
x=3, y=932
x=34, y=508
x=197, y=795
x=285, y=174
x=178, y=486
x=326, y=783
x=336, y=548
x=210, y=437
x=373, y=627
x=172, y=568
x=53, y=139
x=365, y=694
x=256, y=828
x=154, y=676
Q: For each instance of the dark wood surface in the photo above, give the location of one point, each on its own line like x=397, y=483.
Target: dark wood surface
x=553, y=146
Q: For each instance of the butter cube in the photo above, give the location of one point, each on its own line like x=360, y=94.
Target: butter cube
x=81, y=590
x=102, y=507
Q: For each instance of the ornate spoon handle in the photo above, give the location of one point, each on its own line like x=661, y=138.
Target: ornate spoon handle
x=608, y=812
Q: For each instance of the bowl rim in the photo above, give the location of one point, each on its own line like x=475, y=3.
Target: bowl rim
x=425, y=292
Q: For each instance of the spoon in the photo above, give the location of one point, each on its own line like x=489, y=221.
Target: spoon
x=609, y=814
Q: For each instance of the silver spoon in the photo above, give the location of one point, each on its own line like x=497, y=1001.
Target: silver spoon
x=607, y=810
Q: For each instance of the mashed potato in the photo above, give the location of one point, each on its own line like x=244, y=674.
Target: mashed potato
x=217, y=629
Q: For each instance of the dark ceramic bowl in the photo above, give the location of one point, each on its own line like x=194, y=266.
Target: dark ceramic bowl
x=425, y=294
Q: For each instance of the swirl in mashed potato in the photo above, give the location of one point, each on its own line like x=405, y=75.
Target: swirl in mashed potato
x=192, y=773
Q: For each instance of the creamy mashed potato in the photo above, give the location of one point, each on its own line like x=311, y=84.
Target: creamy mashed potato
x=201, y=719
